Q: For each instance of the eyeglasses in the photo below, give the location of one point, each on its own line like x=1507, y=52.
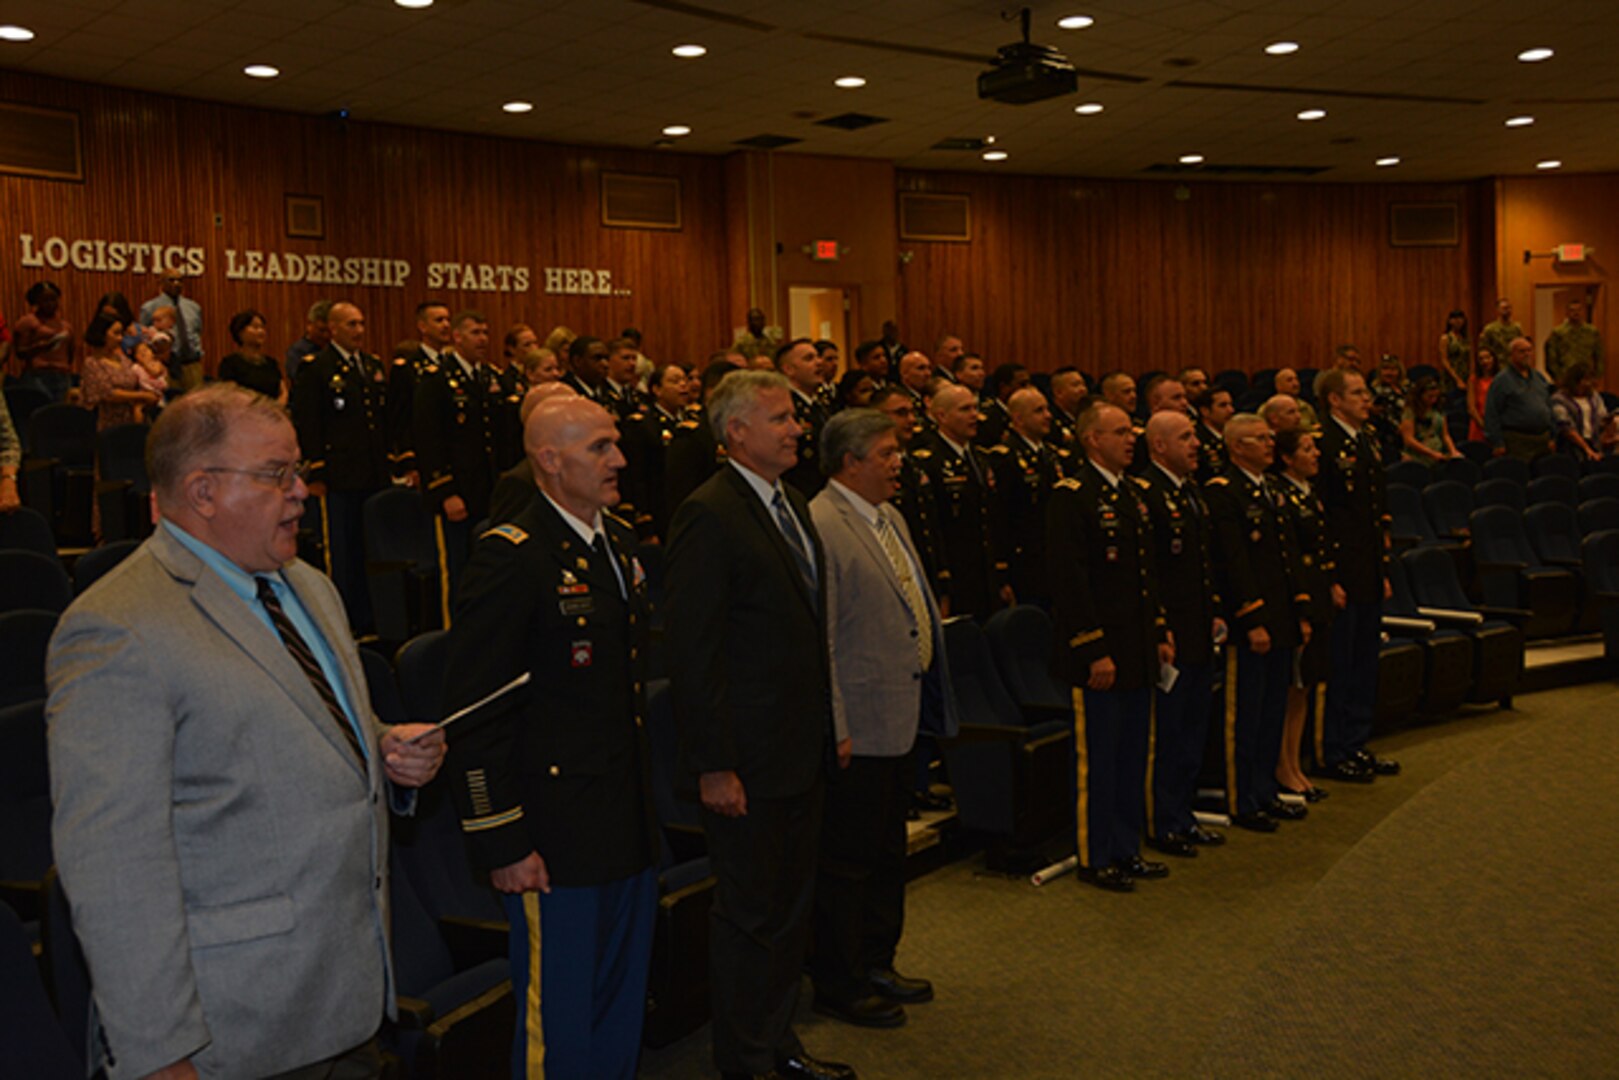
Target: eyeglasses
x=285, y=478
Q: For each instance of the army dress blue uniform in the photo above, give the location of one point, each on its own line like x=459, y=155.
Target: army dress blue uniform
x=1255, y=553
x=1317, y=562
x=339, y=410
x=811, y=416
x=1105, y=605
x=1182, y=541
x=648, y=442
x=970, y=538
x=561, y=768
x=1025, y=475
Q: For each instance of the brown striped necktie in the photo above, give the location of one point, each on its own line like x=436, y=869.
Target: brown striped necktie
x=306, y=660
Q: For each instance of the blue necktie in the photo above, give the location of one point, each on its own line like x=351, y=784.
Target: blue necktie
x=795, y=540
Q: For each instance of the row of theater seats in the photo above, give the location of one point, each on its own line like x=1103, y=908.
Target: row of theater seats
x=68, y=467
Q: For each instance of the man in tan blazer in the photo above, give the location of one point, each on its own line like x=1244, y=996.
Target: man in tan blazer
x=889, y=676
x=220, y=827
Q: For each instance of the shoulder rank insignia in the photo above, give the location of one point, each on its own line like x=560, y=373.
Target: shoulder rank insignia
x=307, y=358
x=998, y=448
x=1068, y=483
x=507, y=532
x=615, y=517
x=922, y=454
x=1143, y=483
x=1221, y=480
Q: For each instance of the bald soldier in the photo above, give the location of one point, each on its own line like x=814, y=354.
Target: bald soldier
x=1024, y=476
x=1281, y=413
x=553, y=780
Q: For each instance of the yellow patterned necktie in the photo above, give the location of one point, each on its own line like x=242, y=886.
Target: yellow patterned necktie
x=908, y=586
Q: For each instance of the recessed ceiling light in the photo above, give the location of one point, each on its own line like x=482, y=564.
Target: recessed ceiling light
x=849, y=82
x=518, y=106
x=1520, y=121
x=16, y=33
x=1532, y=56
x=995, y=155
x=1090, y=108
x=675, y=131
x=1074, y=22
x=1313, y=114
x=1282, y=48
x=689, y=52
x=1385, y=162
x=1553, y=164
x=1191, y=159
x=414, y=3
x=261, y=71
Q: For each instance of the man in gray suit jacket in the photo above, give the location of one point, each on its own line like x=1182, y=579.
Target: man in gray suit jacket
x=218, y=775
x=889, y=674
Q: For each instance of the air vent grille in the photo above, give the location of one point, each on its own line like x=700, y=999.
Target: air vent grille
x=946, y=218
x=631, y=201
x=1424, y=224
x=40, y=142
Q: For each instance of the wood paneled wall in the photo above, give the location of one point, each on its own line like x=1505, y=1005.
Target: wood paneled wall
x=158, y=169
x=1130, y=274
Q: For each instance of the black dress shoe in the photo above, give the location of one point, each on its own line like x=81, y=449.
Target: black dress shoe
x=1310, y=794
x=1258, y=821
x=1174, y=844
x=804, y=1067
x=896, y=987
x=1287, y=811
x=1137, y=867
x=872, y=1010
x=1380, y=766
x=1197, y=834
x=1111, y=878
x=1349, y=770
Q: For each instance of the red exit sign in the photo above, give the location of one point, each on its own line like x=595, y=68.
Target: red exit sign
x=826, y=251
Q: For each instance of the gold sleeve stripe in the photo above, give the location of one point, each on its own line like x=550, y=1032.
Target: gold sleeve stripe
x=441, y=481
x=1084, y=639
x=493, y=821
x=1246, y=608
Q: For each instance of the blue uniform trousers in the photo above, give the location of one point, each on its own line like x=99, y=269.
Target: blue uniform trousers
x=592, y=946
x=1110, y=744
x=1352, y=690
x=1179, y=730
x=1254, y=727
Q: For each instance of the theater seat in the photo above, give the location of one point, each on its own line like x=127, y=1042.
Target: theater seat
x=1400, y=673
x=1021, y=639
x=24, y=637
x=1555, y=465
x=1598, y=514
x=1447, y=654
x=382, y=687
x=31, y=580
x=1511, y=575
x=1460, y=469
x=1448, y=505
x=1508, y=468
x=419, y=667
x=63, y=438
x=93, y=564
x=123, y=492
x=25, y=808
x=1501, y=491
x=25, y=529
x=1497, y=639
x=1013, y=781
x=1413, y=474
x=1553, y=488
x=67, y=976
x=1600, y=555
x=1410, y=526
x=401, y=565
x=1595, y=486
x=35, y=1046
x=1554, y=533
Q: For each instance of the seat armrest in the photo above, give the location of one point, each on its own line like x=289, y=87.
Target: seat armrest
x=1451, y=615
x=1401, y=622
x=1511, y=614
x=473, y=941
x=414, y=1013
x=1511, y=566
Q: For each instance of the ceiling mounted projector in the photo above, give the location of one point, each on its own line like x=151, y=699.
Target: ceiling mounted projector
x=1025, y=72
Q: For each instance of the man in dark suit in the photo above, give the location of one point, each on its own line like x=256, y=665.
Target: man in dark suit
x=554, y=785
x=753, y=702
x=339, y=408
x=1355, y=492
x=1181, y=548
x=1111, y=642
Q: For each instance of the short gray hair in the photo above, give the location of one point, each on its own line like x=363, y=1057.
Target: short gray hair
x=737, y=393
x=852, y=431
x=195, y=426
x=319, y=311
x=1241, y=422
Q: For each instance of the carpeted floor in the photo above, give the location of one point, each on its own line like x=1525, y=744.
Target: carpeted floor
x=1450, y=920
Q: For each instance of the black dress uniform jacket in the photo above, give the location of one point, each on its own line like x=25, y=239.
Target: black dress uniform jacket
x=811, y=416
x=403, y=376
x=1182, y=535
x=456, y=423
x=561, y=767
x=970, y=540
x=1317, y=563
x=1104, y=587
x=648, y=443
x=339, y=408
x=1257, y=555
x=1353, y=487
x=751, y=682
x=914, y=500
x=1211, y=453
x=1025, y=476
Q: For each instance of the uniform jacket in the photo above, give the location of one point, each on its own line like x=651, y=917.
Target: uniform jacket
x=970, y=538
x=1104, y=586
x=811, y=416
x=456, y=421
x=1025, y=476
x=1256, y=553
x=647, y=444
x=339, y=408
x=403, y=376
x=878, y=686
x=561, y=767
x=224, y=850
x=914, y=500
x=1353, y=487
x=748, y=667
x=1182, y=534
x=1318, y=548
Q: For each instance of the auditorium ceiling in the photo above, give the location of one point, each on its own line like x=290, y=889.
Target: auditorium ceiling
x=1431, y=83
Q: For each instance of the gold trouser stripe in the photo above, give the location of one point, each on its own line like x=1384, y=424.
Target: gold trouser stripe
x=1231, y=729
x=533, y=1022
x=443, y=568
x=326, y=533
x=1320, y=724
x=1152, y=753
x=1082, y=807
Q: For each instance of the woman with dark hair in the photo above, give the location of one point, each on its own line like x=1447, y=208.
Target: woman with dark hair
x=111, y=386
x=44, y=342
x=1454, y=349
x=1478, y=388
x=1422, y=426
x=1297, y=463
x=248, y=366
x=116, y=305
x=854, y=390
x=1584, y=424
